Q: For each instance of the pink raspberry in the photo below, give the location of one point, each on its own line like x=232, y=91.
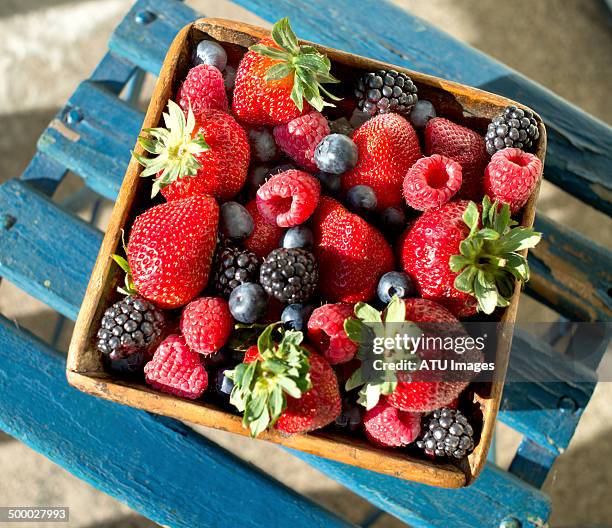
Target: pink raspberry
x=431, y=182
x=299, y=138
x=511, y=177
x=289, y=198
x=265, y=236
x=326, y=332
x=204, y=89
x=206, y=324
x=176, y=369
x=389, y=427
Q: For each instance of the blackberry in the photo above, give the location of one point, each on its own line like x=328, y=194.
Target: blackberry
x=129, y=331
x=448, y=434
x=514, y=127
x=386, y=91
x=289, y=274
x=234, y=266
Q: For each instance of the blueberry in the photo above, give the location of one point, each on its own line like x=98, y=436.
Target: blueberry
x=351, y=417
x=295, y=316
x=256, y=178
x=393, y=220
x=263, y=146
x=211, y=53
x=218, y=359
x=223, y=385
x=421, y=113
x=248, y=302
x=394, y=283
x=336, y=153
x=280, y=168
x=235, y=221
x=297, y=237
x=361, y=198
x=329, y=182
x=229, y=77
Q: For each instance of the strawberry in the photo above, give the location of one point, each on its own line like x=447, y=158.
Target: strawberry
x=203, y=89
x=388, y=146
x=207, y=154
x=206, y=324
x=265, y=236
x=284, y=385
x=463, y=145
x=352, y=254
x=464, y=259
x=432, y=181
x=170, y=250
x=289, y=198
x=176, y=369
x=387, y=426
x=299, y=138
x=511, y=177
x=326, y=332
x=275, y=77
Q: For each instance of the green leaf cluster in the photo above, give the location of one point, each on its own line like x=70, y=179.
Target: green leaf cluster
x=309, y=67
x=490, y=259
x=261, y=387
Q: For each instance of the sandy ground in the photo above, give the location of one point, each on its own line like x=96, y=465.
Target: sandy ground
x=48, y=46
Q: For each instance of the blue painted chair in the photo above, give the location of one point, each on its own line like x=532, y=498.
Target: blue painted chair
x=147, y=461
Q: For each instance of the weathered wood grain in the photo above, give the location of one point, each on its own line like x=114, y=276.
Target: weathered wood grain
x=44, y=250
x=532, y=462
x=158, y=467
x=92, y=137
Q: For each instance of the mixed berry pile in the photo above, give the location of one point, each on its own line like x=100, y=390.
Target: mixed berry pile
x=289, y=219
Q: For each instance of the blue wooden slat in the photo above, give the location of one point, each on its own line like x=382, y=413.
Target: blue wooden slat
x=44, y=250
x=570, y=273
x=494, y=497
x=532, y=462
x=157, y=466
x=579, y=146
x=44, y=173
x=92, y=136
x=144, y=35
x=113, y=72
x=545, y=411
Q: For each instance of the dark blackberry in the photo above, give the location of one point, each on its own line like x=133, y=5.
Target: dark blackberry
x=514, y=127
x=386, y=91
x=234, y=266
x=129, y=331
x=448, y=434
x=290, y=275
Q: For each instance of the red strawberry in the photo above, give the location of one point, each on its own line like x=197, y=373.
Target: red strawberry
x=207, y=154
x=464, y=146
x=176, y=369
x=203, y=89
x=511, y=177
x=478, y=274
x=388, y=146
x=352, y=254
x=265, y=236
x=289, y=198
x=389, y=427
x=326, y=332
x=299, y=138
x=206, y=324
x=268, y=90
x=317, y=407
x=300, y=393
x=170, y=250
x=432, y=181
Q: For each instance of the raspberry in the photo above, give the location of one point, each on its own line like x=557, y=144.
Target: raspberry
x=432, y=181
x=206, y=324
x=176, y=369
x=265, y=236
x=389, y=427
x=326, y=332
x=299, y=138
x=289, y=198
x=511, y=176
x=203, y=88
